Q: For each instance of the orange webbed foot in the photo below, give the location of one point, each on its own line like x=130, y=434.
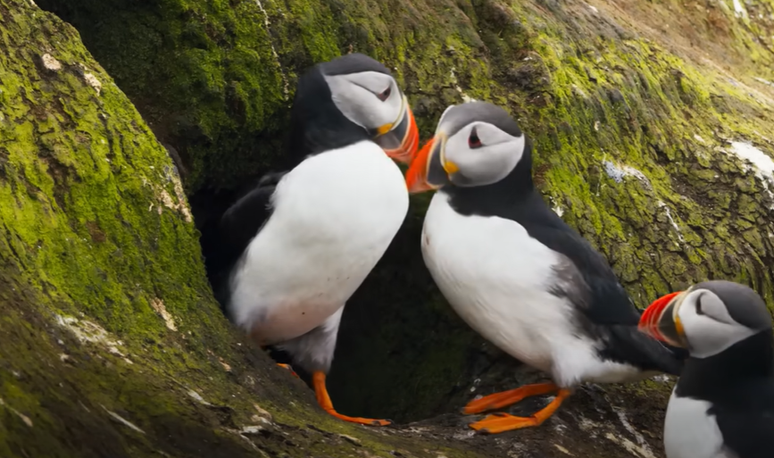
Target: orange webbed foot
x=318, y=379
x=507, y=398
x=502, y=422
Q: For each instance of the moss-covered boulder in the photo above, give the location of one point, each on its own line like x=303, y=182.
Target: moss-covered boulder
x=654, y=131
x=111, y=344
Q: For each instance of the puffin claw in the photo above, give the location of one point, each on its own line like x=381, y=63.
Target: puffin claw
x=288, y=367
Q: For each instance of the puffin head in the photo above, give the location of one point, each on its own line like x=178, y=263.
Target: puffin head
x=707, y=318
x=350, y=99
x=475, y=144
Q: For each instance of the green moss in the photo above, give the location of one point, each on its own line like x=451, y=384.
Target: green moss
x=112, y=344
x=587, y=90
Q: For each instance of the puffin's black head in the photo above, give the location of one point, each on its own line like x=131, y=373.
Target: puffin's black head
x=707, y=318
x=350, y=99
x=475, y=144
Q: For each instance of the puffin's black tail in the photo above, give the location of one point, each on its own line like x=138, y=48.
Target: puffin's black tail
x=629, y=345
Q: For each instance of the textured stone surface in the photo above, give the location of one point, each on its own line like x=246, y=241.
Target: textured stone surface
x=639, y=125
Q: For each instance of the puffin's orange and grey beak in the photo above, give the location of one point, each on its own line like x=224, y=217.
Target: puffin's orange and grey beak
x=400, y=139
x=661, y=321
x=428, y=170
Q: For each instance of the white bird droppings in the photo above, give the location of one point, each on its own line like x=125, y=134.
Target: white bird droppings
x=23, y=417
x=262, y=412
x=267, y=24
x=465, y=97
x=630, y=446
x=739, y=10
x=122, y=420
x=671, y=220
x=198, y=398
x=619, y=171
x=761, y=80
x=252, y=429
x=92, y=81
x=762, y=164
x=158, y=306
x=86, y=331
x=643, y=444
x=50, y=63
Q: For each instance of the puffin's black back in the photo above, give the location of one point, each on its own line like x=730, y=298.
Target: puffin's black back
x=586, y=279
x=739, y=384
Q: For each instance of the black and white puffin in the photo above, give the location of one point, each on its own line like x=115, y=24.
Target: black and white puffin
x=290, y=253
x=516, y=273
x=723, y=403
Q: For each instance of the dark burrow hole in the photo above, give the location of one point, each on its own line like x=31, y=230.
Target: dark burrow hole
x=402, y=353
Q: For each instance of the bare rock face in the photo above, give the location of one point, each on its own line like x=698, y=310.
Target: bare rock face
x=654, y=131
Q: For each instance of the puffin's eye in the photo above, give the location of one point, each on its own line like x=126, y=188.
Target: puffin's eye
x=384, y=95
x=473, y=141
x=698, y=306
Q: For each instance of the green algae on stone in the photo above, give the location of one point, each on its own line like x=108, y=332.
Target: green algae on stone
x=112, y=344
x=631, y=139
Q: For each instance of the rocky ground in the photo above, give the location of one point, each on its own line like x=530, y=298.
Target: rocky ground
x=654, y=131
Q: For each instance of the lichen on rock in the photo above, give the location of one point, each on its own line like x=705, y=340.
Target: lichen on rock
x=95, y=219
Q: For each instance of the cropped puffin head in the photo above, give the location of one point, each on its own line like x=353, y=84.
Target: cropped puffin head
x=350, y=99
x=707, y=318
x=475, y=144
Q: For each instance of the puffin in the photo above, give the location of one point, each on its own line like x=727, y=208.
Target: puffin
x=516, y=273
x=723, y=403
x=285, y=258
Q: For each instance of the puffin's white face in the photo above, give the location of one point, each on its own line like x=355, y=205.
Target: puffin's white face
x=475, y=144
x=480, y=154
x=374, y=101
x=369, y=99
x=706, y=320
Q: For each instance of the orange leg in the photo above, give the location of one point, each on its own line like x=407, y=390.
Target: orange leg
x=502, y=422
x=288, y=367
x=318, y=378
x=506, y=398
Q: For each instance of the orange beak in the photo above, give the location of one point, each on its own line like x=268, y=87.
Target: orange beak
x=404, y=134
x=660, y=320
x=416, y=176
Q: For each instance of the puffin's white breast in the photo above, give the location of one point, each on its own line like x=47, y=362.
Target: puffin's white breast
x=334, y=216
x=498, y=278
x=690, y=431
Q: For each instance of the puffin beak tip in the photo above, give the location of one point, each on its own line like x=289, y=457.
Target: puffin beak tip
x=651, y=320
x=407, y=150
x=416, y=176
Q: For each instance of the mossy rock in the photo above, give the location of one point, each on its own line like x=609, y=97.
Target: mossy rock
x=634, y=130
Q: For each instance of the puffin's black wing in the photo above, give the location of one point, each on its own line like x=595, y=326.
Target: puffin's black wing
x=583, y=275
x=746, y=418
x=235, y=229
x=587, y=281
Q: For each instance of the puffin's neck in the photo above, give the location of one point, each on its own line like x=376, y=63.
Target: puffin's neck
x=515, y=189
x=751, y=358
x=316, y=124
x=313, y=133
